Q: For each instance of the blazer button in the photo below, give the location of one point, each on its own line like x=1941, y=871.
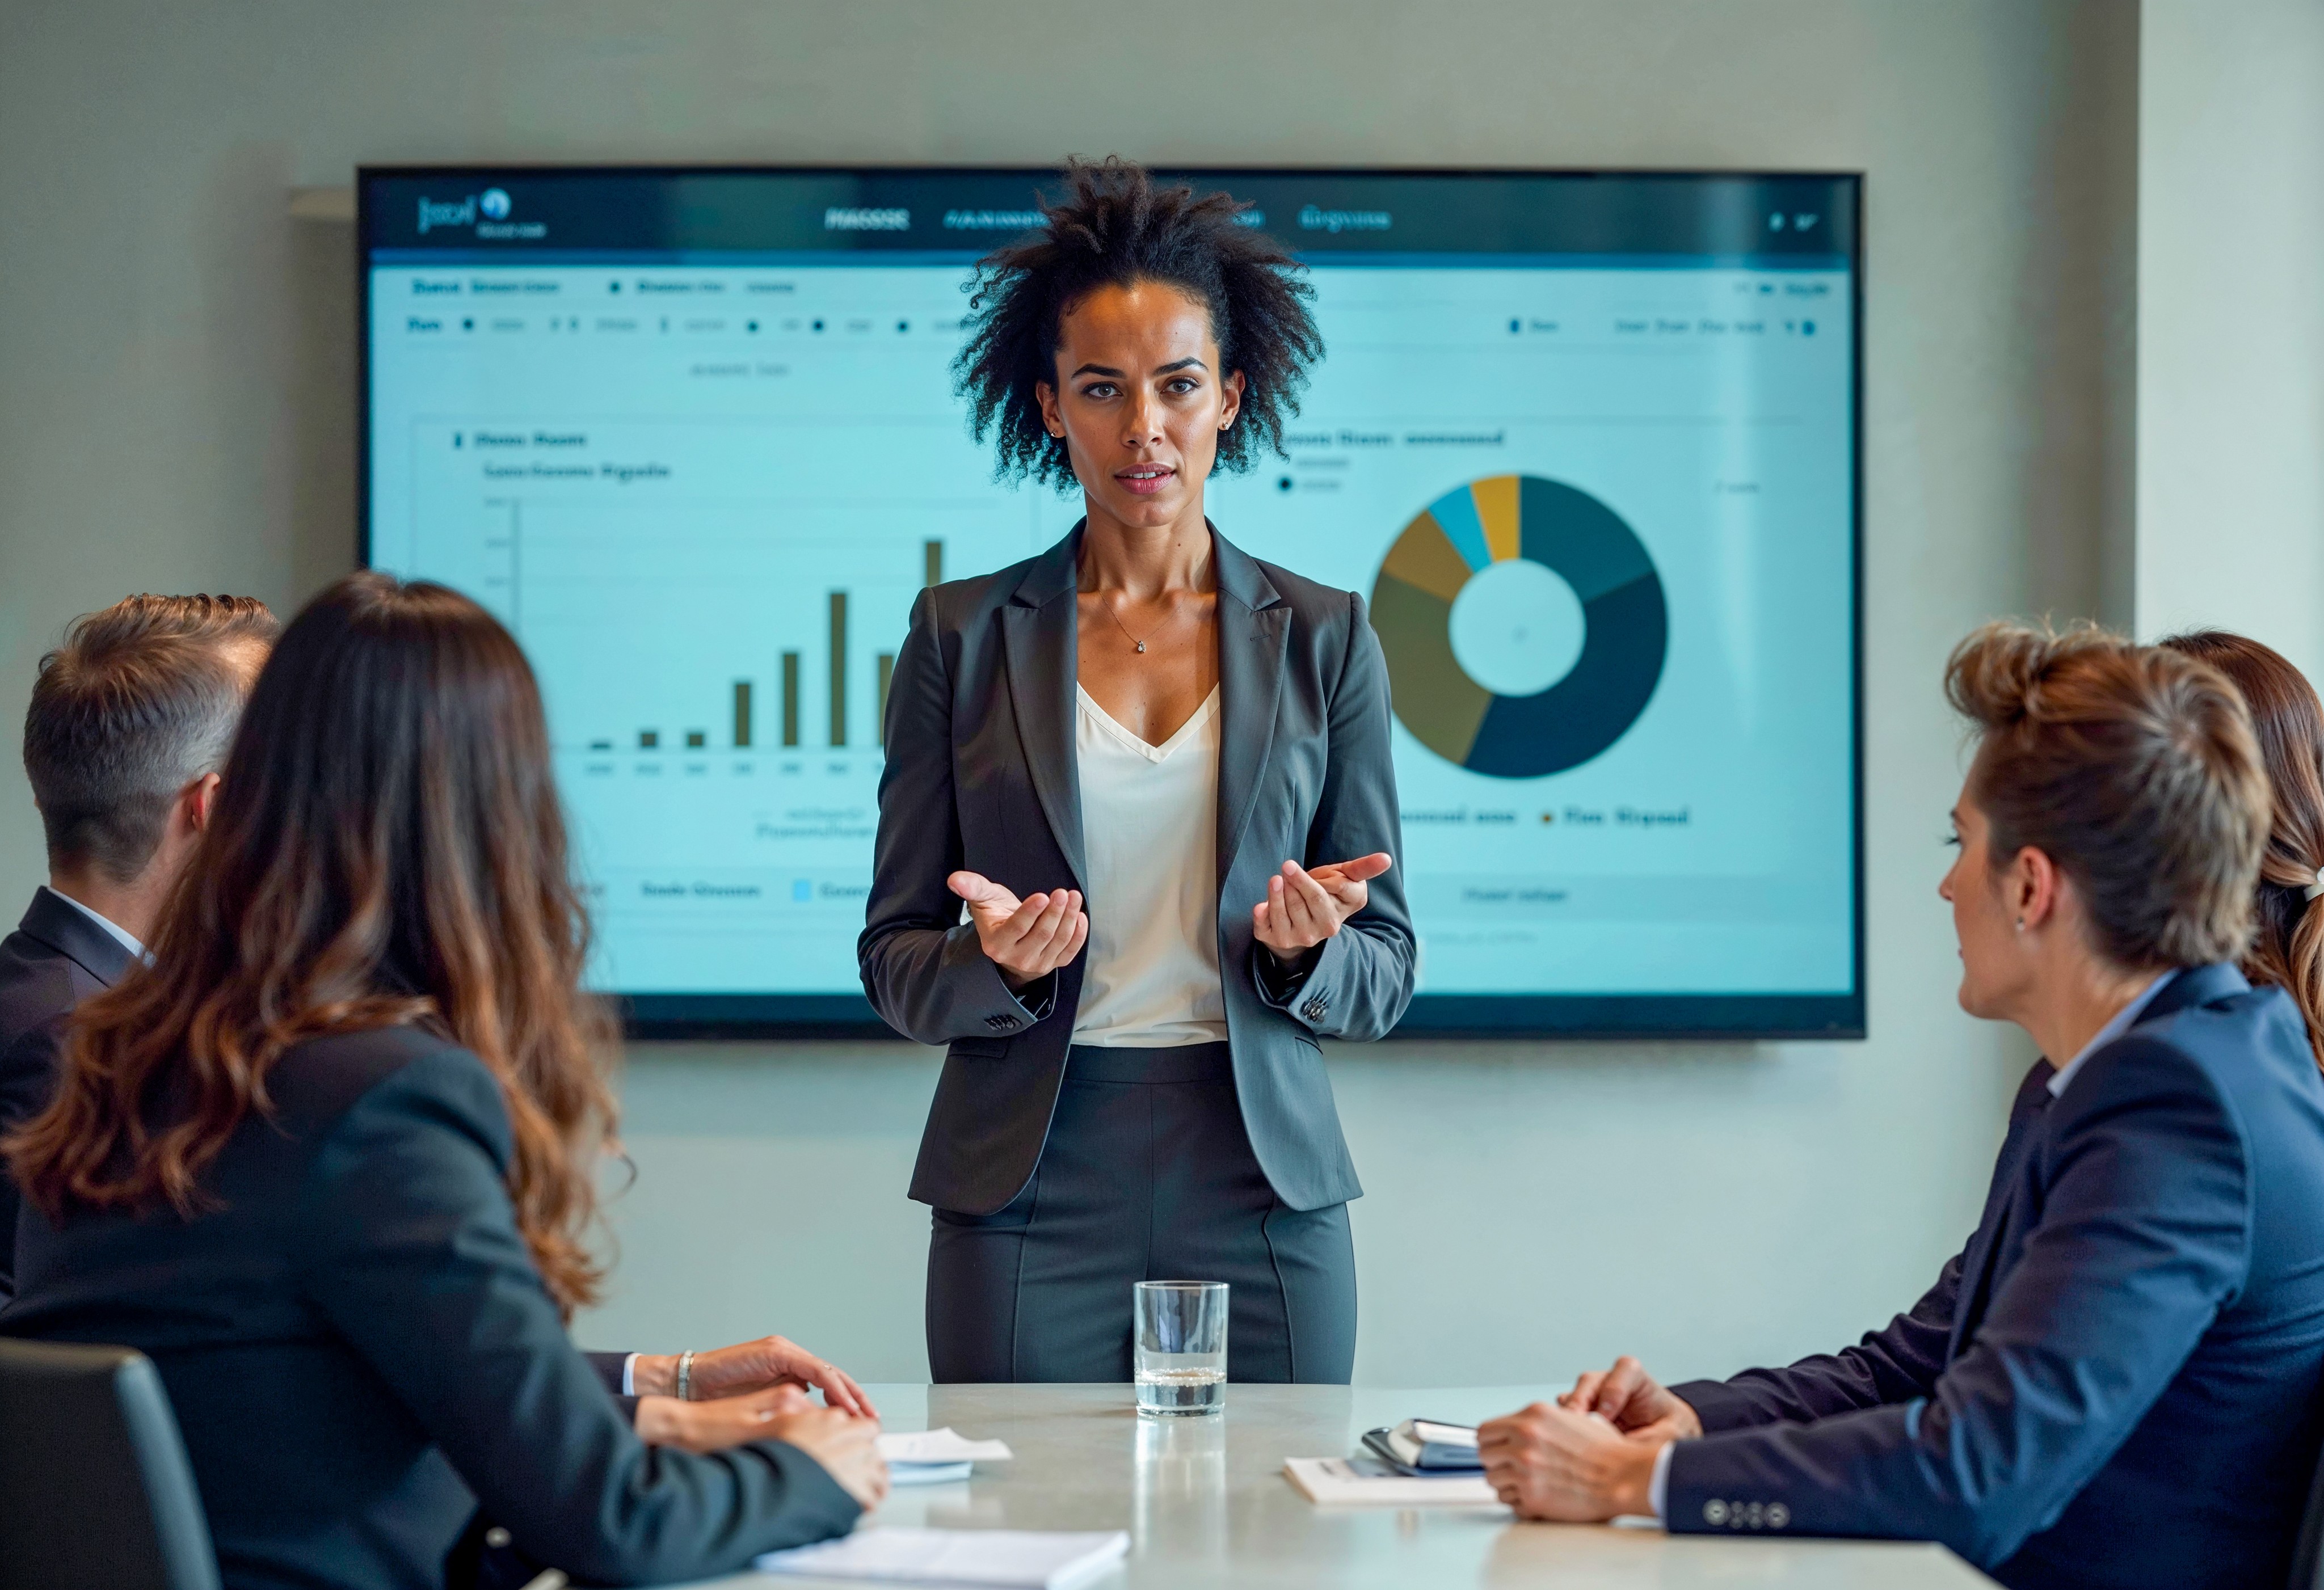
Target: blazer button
x=1714, y=1512
x=1779, y=1515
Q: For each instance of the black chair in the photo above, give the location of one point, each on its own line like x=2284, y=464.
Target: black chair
x=2307, y=1556
x=95, y=1489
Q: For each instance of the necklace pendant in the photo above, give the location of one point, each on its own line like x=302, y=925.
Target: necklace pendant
x=1141, y=646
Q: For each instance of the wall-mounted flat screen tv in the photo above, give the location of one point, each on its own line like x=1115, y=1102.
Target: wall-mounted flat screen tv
x=1588, y=445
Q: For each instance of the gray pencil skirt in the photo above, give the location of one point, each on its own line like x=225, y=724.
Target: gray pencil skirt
x=1146, y=1175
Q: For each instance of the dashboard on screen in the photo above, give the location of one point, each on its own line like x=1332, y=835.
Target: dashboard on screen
x=1587, y=444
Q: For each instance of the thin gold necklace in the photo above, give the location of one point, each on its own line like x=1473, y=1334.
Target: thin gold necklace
x=1133, y=639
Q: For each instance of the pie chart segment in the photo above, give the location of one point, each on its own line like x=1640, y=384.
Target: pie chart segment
x=1455, y=513
x=1575, y=718
x=1581, y=539
x=1424, y=558
x=1497, y=511
x=1433, y=698
x=1625, y=619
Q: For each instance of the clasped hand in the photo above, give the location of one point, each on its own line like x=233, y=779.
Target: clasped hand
x=1591, y=1456
x=1030, y=938
x=756, y=1390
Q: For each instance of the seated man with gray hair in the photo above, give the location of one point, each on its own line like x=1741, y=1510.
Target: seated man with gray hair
x=129, y=724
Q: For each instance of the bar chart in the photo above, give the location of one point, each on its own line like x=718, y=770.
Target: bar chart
x=840, y=732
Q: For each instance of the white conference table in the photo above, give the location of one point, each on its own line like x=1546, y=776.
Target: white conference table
x=1206, y=1502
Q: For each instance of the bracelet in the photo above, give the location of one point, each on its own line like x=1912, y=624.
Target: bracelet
x=686, y=1376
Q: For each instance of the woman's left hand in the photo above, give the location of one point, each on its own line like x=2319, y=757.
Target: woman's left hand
x=753, y=1366
x=1304, y=907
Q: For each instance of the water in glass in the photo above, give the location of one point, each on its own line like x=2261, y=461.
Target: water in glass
x=1179, y=1335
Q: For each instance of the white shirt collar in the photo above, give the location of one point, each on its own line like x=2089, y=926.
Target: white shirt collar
x=119, y=934
x=2121, y=1024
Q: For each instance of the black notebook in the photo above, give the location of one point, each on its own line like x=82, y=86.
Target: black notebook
x=1424, y=1447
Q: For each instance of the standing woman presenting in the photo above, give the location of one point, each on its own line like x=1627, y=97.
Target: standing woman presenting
x=1137, y=827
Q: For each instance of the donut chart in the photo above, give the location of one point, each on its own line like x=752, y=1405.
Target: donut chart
x=1626, y=633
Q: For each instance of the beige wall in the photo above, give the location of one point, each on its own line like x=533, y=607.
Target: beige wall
x=175, y=413
x=2230, y=449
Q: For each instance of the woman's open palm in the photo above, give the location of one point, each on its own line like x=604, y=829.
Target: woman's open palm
x=1026, y=939
x=1305, y=905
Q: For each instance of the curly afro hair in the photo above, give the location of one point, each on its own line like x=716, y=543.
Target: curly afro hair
x=1113, y=227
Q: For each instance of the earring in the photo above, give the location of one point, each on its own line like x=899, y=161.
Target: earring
x=2021, y=924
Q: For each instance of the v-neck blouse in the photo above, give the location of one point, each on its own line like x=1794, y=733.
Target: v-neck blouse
x=1149, y=835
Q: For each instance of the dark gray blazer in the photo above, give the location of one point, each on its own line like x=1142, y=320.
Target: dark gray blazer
x=361, y=1351
x=982, y=775
x=55, y=959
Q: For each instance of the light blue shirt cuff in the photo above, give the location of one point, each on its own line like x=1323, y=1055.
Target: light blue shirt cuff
x=1658, y=1487
x=630, y=1389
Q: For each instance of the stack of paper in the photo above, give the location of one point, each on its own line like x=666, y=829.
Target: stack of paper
x=933, y=1457
x=1333, y=1482
x=996, y=1559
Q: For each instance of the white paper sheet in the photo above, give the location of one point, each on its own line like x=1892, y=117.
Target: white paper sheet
x=1336, y=1482
x=941, y=1446
x=929, y=1474
x=992, y=1559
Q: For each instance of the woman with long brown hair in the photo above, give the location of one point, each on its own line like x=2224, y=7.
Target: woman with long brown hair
x=2287, y=948
x=328, y=1160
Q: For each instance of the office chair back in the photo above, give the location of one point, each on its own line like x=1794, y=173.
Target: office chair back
x=2307, y=1556
x=95, y=1488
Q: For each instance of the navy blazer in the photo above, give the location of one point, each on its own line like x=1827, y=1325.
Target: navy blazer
x=55, y=959
x=2116, y=1384
x=982, y=775
x=360, y=1351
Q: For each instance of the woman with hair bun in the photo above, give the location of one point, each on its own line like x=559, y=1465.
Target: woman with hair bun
x=1135, y=826
x=2115, y=1385
x=2287, y=948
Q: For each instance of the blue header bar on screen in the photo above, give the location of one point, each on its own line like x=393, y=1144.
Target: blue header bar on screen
x=470, y=215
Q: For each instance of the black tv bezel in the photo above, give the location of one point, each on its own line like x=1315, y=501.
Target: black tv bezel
x=1572, y=1017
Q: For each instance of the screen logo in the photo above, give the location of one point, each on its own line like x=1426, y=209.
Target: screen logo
x=435, y=213
x=487, y=213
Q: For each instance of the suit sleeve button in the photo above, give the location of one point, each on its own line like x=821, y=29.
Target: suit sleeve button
x=1779, y=1515
x=1714, y=1512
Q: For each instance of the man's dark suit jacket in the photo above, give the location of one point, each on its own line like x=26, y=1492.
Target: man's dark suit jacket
x=359, y=1350
x=2116, y=1383
x=982, y=775
x=55, y=959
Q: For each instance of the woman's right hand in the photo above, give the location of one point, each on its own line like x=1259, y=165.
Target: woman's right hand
x=1026, y=939
x=847, y=1446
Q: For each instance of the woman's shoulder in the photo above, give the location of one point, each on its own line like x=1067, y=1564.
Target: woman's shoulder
x=405, y=1072
x=1310, y=599
x=1261, y=584
x=955, y=605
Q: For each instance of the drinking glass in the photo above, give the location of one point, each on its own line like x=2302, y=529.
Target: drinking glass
x=1180, y=1340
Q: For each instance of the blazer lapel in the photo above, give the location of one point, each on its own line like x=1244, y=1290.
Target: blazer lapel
x=2025, y=1117
x=1038, y=636
x=2190, y=987
x=1254, y=629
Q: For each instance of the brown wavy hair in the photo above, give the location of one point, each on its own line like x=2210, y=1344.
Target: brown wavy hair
x=2288, y=950
x=387, y=847
x=2134, y=769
